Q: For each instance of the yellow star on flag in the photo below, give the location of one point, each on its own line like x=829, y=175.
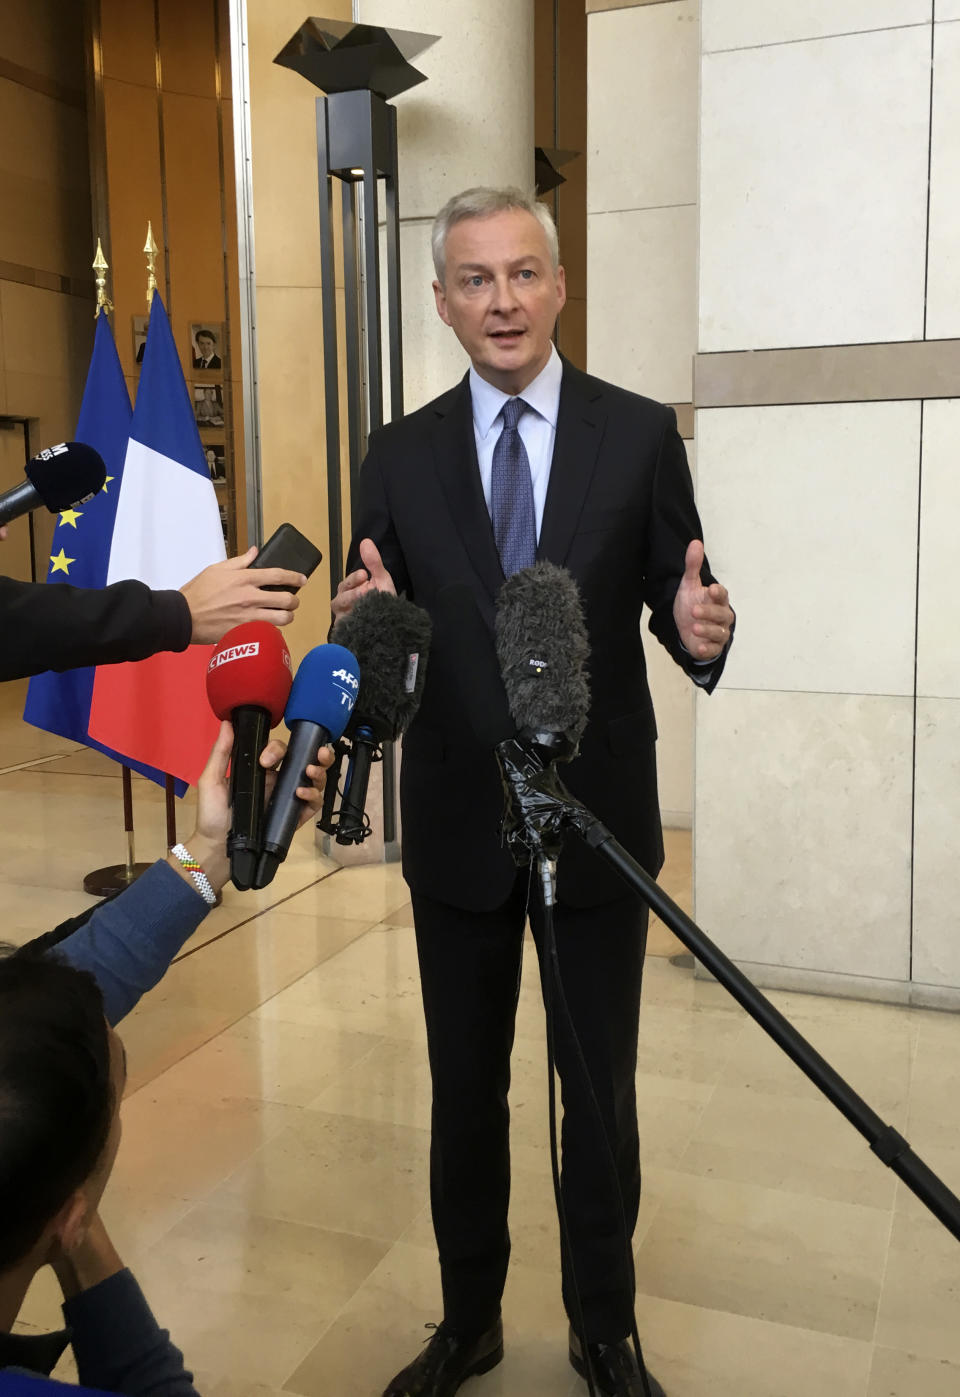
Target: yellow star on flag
x=70, y=516
x=106, y=483
x=61, y=563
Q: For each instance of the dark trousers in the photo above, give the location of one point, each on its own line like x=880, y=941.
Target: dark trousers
x=470, y=976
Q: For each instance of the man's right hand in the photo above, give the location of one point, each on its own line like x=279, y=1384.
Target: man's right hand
x=228, y=593
x=372, y=577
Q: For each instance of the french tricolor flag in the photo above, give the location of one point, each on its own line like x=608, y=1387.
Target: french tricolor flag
x=167, y=530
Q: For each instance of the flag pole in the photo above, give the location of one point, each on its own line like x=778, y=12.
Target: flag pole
x=151, y=250
x=105, y=882
x=171, y=795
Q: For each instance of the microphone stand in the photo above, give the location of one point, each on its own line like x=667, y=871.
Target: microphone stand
x=540, y=809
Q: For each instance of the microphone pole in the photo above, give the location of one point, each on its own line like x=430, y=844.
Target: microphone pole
x=540, y=809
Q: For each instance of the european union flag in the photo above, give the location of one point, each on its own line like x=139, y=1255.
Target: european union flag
x=60, y=703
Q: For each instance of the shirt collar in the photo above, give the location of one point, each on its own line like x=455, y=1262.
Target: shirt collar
x=543, y=395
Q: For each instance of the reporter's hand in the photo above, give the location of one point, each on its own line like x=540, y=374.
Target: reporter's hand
x=372, y=577
x=208, y=843
x=88, y=1262
x=228, y=593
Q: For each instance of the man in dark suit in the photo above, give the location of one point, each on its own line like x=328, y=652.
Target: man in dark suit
x=528, y=457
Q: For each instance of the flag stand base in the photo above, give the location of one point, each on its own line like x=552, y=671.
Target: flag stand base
x=107, y=882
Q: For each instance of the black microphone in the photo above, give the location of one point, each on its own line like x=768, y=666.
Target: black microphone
x=321, y=700
x=60, y=477
x=248, y=681
x=542, y=648
x=390, y=637
x=524, y=696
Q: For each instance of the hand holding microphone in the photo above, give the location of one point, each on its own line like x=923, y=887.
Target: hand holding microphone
x=248, y=682
x=208, y=842
x=321, y=701
x=390, y=638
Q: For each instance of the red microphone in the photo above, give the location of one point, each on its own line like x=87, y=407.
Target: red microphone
x=248, y=681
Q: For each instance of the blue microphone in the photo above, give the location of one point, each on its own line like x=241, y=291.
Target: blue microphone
x=318, y=709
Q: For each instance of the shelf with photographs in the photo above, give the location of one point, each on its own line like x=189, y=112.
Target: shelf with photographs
x=210, y=392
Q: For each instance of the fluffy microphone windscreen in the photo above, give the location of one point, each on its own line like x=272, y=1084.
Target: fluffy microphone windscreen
x=463, y=638
x=390, y=638
x=543, y=649
x=324, y=689
x=66, y=475
x=250, y=668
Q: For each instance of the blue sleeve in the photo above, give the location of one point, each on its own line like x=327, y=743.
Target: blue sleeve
x=118, y=1345
x=129, y=942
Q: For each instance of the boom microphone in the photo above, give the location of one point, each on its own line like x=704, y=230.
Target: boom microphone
x=390, y=638
x=543, y=649
x=60, y=477
x=321, y=701
x=248, y=681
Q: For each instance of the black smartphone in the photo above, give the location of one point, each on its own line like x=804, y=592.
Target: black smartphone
x=287, y=547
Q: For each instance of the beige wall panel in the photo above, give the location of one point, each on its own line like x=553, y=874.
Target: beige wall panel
x=284, y=152
x=133, y=161
x=45, y=36
x=943, y=277
x=193, y=211
x=432, y=358
x=188, y=47
x=948, y=9
x=849, y=373
x=813, y=192
x=821, y=501
x=643, y=68
x=572, y=330
x=42, y=138
x=729, y=24
x=451, y=128
x=936, y=946
x=643, y=300
x=39, y=226
x=938, y=660
x=45, y=332
x=803, y=858
x=129, y=41
x=16, y=546
x=292, y=435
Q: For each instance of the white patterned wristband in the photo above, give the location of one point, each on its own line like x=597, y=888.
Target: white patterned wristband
x=203, y=885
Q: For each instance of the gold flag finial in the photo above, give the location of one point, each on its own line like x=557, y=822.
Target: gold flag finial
x=100, y=266
x=151, y=249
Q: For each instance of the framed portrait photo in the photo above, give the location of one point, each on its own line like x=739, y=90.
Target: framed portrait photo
x=140, y=323
x=208, y=404
x=206, y=346
x=215, y=453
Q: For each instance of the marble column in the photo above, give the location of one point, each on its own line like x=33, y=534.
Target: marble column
x=470, y=123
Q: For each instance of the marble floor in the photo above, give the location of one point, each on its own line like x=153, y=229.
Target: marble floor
x=271, y=1188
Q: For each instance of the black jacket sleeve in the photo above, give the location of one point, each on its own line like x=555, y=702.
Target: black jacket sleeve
x=674, y=522
x=118, y=1345
x=56, y=626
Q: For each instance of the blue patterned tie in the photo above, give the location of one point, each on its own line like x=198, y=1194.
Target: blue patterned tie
x=511, y=494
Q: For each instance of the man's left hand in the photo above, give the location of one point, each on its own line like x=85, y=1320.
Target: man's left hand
x=703, y=615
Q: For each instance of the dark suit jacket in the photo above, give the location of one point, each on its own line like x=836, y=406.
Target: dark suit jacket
x=619, y=515
x=215, y=362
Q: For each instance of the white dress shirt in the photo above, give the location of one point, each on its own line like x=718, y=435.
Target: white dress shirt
x=537, y=427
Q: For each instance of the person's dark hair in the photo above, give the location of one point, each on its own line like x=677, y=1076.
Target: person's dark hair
x=56, y=1097
x=208, y=334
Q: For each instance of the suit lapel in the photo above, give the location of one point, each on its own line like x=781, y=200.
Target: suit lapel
x=455, y=458
x=580, y=423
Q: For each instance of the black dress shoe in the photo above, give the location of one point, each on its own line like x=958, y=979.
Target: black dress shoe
x=446, y=1363
x=614, y=1368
